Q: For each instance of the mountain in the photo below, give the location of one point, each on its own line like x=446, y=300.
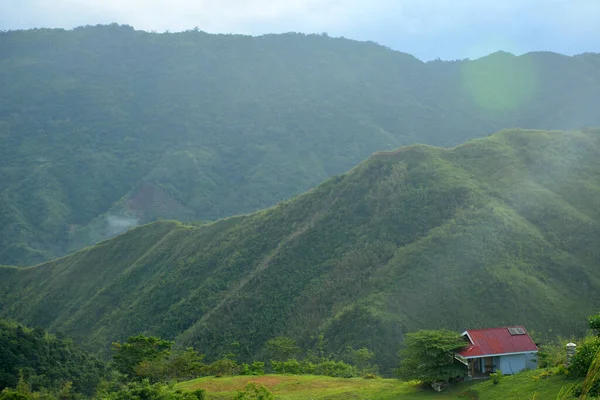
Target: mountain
x=500, y=230
x=104, y=127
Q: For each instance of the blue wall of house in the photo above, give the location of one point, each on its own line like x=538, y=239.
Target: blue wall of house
x=516, y=363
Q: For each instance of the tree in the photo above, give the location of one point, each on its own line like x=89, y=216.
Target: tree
x=594, y=323
x=144, y=390
x=363, y=359
x=428, y=356
x=187, y=364
x=282, y=348
x=135, y=350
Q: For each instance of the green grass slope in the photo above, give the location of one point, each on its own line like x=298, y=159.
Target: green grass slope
x=523, y=386
x=105, y=127
x=500, y=230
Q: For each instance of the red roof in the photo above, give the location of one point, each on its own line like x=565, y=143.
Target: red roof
x=493, y=341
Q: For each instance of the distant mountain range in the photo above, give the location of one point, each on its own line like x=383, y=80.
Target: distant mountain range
x=502, y=230
x=103, y=128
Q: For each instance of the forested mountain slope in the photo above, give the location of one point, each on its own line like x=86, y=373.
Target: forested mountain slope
x=500, y=230
x=104, y=127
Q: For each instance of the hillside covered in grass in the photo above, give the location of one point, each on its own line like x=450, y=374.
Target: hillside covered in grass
x=105, y=127
x=499, y=231
x=536, y=384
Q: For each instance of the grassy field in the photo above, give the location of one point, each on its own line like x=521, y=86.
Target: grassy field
x=545, y=385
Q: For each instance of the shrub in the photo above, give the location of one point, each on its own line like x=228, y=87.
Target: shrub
x=496, y=377
x=554, y=354
x=257, y=368
x=583, y=356
x=224, y=366
x=144, y=390
x=594, y=391
x=291, y=366
x=254, y=392
x=338, y=369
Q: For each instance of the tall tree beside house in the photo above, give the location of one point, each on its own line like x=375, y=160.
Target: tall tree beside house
x=428, y=356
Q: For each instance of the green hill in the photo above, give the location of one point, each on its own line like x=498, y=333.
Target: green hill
x=528, y=385
x=500, y=230
x=105, y=127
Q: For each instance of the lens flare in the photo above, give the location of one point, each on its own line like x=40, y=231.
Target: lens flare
x=500, y=81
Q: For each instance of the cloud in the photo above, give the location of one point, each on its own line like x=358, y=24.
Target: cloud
x=118, y=224
x=426, y=28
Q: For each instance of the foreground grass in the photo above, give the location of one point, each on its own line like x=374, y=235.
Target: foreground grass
x=545, y=385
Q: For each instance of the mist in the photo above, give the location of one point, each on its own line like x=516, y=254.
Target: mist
x=118, y=224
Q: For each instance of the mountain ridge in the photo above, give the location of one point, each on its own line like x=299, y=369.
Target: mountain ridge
x=106, y=127
x=500, y=230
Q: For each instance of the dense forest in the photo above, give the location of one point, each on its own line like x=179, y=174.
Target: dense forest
x=501, y=230
x=105, y=127
x=46, y=362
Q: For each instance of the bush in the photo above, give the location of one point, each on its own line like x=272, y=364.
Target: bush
x=224, y=366
x=291, y=366
x=254, y=392
x=594, y=323
x=584, y=356
x=338, y=369
x=144, y=390
x=256, y=368
x=594, y=391
x=496, y=377
x=554, y=354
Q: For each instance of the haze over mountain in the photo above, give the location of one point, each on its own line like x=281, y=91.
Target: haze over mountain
x=106, y=127
x=502, y=230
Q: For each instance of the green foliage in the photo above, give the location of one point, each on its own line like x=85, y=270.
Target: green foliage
x=496, y=377
x=407, y=240
x=144, y=390
x=584, y=355
x=104, y=127
x=33, y=360
x=363, y=359
x=256, y=368
x=428, y=356
x=254, y=392
x=137, y=349
x=282, y=348
x=553, y=353
x=222, y=367
x=167, y=367
x=594, y=323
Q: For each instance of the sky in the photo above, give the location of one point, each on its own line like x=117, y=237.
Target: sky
x=427, y=29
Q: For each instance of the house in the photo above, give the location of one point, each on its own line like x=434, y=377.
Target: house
x=508, y=349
